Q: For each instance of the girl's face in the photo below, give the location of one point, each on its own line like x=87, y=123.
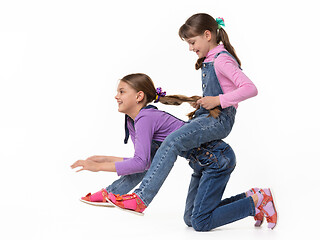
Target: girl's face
x=201, y=45
x=127, y=98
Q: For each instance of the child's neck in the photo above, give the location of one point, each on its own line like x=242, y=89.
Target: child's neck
x=134, y=113
x=213, y=45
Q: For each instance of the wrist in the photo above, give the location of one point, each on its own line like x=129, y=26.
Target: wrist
x=107, y=167
x=221, y=100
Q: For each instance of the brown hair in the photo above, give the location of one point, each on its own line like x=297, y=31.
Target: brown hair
x=197, y=24
x=142, y=82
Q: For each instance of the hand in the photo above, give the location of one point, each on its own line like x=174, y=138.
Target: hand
x=194, y=105
x=209, y=102
x=86, y=165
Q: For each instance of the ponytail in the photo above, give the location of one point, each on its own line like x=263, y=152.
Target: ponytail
x=199, y=63
x=142, y=82
x=198, y=23
x=222, y=36
x=178, y=99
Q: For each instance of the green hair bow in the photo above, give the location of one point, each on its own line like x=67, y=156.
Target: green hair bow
x=220, y=22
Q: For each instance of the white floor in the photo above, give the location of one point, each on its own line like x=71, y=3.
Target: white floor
x=50, y=209
x=59, y=67
x=80, y=221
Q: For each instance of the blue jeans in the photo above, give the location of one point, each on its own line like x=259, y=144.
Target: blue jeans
x=200, y=130
x=128, y=182
x=204, y=209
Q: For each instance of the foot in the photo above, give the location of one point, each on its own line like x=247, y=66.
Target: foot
x=268, y=208
x=128, y=202
x=97, y=199
x=259, y=217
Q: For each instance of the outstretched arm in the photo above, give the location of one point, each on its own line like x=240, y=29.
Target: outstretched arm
x=100, y=159
x=94, y=166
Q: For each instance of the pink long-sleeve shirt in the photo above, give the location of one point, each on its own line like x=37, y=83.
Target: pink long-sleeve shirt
x=236, y=86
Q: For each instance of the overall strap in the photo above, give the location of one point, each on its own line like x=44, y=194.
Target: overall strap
x=126, y=129
x=226, y=52
x=126, y=123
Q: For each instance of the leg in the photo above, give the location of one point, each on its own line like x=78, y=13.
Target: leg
x=201, y=130
x=192, y=193
x=210, y=191
x=125, y=183
x=232, y=199
x=209, y=212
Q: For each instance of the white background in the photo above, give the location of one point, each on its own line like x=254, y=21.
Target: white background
x=59, y=66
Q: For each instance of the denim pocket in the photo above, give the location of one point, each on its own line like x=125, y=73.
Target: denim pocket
x=216, y=155
x=205, y=157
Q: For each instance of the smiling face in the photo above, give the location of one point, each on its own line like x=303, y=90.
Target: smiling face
x=202, y=44
x=127, y=98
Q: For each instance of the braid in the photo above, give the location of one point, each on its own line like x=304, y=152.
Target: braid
x=199, y=63
x=178, y=99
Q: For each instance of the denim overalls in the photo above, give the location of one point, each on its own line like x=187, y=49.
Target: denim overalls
x=212, y=166
x=200, y=130
x=211, y=86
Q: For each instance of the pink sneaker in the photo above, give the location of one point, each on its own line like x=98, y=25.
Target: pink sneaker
x=259, y=217
x=268, y=208
x=128, y=202
x=97, y=199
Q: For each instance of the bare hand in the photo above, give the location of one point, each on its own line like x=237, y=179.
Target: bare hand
x=209, y=102
x=194, y=105
x=86, y=165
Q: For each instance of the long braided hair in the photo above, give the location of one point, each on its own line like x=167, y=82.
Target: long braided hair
x=142, y=82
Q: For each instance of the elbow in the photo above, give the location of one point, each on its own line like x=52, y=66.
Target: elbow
x=140, y=165
x=255, y=91
x=252, y=90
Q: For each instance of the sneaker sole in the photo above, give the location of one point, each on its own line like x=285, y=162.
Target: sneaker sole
x=97, y=204
x=123, y=209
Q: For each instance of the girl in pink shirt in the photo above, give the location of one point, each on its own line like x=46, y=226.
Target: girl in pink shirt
x=224, y=85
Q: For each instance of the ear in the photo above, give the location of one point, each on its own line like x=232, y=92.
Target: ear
x=208, y=35
x=140, y=96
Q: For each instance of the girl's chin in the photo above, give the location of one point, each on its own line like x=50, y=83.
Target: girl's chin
x=122, y=110
x=200, y=55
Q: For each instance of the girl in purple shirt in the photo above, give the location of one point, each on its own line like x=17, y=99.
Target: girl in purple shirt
x=148, y=127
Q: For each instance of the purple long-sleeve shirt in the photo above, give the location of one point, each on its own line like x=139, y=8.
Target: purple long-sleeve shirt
x=150, y=124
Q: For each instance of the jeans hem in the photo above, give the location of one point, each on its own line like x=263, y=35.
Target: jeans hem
x=253, y=208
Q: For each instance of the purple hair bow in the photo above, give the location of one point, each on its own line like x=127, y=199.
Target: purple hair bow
x=159, y=94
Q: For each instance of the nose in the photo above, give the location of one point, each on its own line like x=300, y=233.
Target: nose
x=116, y=96
x=190, y=47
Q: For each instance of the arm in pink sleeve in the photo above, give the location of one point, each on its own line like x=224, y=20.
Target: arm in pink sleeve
x=238, y=86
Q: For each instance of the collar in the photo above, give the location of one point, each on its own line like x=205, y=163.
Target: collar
x=214, y=51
